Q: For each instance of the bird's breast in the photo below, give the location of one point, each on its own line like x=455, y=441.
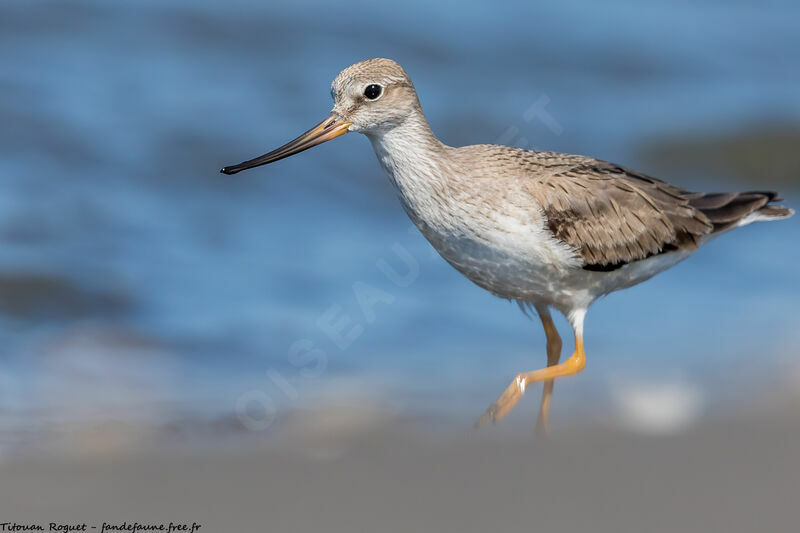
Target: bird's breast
x=508, y=252
x=490, y=230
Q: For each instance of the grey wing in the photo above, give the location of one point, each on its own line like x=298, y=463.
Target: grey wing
x=613, y=216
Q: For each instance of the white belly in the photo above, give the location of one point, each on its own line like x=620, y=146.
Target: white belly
x=510, y=264
x=528, y=267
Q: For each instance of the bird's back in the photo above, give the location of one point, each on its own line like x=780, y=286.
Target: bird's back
x=608, y=214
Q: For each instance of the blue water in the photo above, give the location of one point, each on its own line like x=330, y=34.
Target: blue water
x=116, y=119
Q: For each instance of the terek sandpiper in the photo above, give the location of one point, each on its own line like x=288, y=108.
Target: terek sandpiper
x=543, y=229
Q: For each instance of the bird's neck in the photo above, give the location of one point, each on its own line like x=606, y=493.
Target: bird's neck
x=416, y=163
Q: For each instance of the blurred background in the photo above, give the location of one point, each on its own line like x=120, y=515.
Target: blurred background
x=149, y=303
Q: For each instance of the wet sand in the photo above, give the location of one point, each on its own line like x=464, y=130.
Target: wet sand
x=726, y=476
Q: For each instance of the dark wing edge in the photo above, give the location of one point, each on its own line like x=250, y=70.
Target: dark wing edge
x=726, y=210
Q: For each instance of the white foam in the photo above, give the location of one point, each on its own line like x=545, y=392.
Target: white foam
x=657, y=407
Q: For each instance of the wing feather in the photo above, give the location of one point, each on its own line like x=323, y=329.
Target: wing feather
x=613, y=216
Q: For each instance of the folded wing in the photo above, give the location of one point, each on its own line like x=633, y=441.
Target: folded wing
x=613, y=216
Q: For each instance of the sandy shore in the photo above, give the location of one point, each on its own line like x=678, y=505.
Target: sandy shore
x=741, y=475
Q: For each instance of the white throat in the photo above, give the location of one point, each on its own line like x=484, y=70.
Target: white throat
x=416, y=163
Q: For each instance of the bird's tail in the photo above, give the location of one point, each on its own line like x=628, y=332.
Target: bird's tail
x=732, y=209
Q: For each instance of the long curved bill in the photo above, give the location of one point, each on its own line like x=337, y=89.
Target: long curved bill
x=328, y=129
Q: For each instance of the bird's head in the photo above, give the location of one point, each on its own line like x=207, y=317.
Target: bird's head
x=370, y=97
x=374, y=96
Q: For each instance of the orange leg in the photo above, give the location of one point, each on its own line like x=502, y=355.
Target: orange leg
x=515, y=390
x=553, y=355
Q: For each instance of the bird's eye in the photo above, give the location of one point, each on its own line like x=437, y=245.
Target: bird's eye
x=373, y=91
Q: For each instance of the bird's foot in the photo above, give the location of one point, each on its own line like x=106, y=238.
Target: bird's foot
x=505, y=402
x=514, y=392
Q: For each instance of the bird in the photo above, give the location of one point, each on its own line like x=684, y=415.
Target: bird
x=547, y=230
